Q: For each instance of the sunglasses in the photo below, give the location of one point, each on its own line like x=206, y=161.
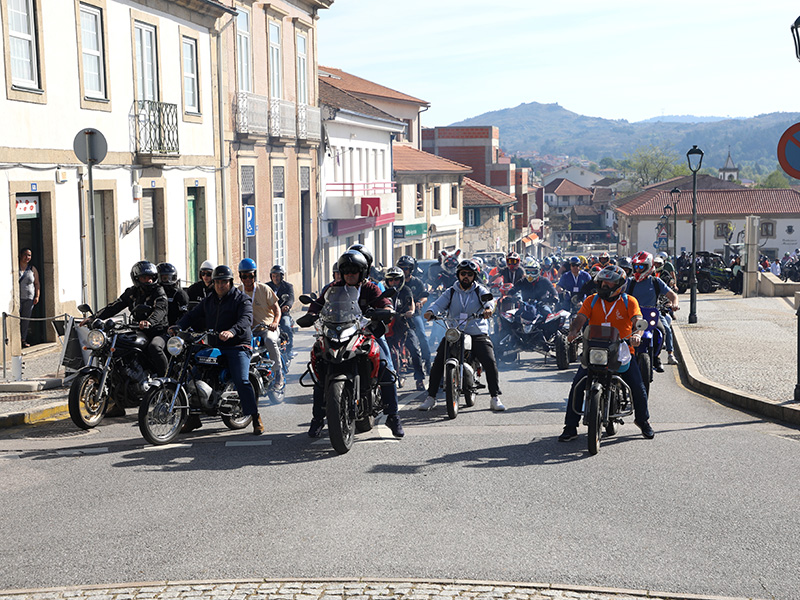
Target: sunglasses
x=246, y=276
x=350, y=271
x=639, y=267
x=205, y=273
x=466, y=274
x=393, y=278
x=512, y=261
x=148, y=277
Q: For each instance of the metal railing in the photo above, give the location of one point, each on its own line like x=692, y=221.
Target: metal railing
x=353, y=189
x=282, y=118
x=309, y=123
x=156, y=127
x=63, y=317
x=252, y=113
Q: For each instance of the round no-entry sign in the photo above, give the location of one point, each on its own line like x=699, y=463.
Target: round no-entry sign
x=789, y=151
x=623, y=242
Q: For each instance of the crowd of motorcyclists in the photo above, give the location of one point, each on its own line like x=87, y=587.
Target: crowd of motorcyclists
x=599, y=289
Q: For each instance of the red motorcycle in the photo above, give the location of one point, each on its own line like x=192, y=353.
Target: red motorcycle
x=347, y=360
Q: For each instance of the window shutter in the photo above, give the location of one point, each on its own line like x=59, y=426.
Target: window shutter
x=477, y=213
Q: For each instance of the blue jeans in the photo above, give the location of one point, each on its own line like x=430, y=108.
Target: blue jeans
x=418, y=325
x=238, y=359
x=666, y=321
x=633, y=377
x=285, y=324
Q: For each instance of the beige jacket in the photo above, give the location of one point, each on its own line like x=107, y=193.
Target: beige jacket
x=263, y=300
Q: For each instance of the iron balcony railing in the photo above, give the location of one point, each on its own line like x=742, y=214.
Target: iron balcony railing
x=252, y=113
x=309, y=123
x=361, y=189
x=156, y=127
x=282, y=118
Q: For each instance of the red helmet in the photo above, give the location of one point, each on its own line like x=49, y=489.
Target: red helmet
x=642, y=265
x=512, y=260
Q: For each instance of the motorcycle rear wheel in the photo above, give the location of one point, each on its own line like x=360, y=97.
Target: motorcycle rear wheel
x=646, y=369
x=562, y=351
x=469, y=388
x=594, y=421
x=160, y=425
x=238, y=420
x=84, y=408
x=451, y=391
x=341, y=421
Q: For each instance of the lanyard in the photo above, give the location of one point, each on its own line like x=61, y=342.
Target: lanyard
x=611, y=308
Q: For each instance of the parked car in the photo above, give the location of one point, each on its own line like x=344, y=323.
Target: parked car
x=712, y=274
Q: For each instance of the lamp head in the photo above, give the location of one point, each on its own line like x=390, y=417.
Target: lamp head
x=695, y=158
x=796, y=35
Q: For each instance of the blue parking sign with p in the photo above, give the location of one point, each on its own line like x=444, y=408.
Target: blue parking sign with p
x=250, y=221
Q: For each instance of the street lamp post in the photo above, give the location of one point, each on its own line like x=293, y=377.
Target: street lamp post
x=695, y=158
x=674, y=197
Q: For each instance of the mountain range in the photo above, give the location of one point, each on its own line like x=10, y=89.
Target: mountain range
x=552, y=129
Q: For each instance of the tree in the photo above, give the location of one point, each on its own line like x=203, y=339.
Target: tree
x=776, y=179
x=608, y=163
x=651, y=164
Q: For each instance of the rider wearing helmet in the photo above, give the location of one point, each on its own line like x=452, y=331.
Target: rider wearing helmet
x=419, y=291
x=549, y=272
x=266, y=314
x=572, y=282
x=354, y=269
x=464, y=298
x=512, y=273
x=535, y=288
x=401, y=333
x=603, y=260
x=203, y=286
x=177, y=298
x=285, y=293
x=443, y=275
x=146, y=296
x=609, y=306
x=229, y=312
x=626, y=265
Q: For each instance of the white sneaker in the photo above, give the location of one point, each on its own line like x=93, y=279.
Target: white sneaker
x=496, y=405
x=428, y=404
x=671, y=360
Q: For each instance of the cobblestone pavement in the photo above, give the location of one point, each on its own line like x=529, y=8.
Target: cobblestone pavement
x=339, y=590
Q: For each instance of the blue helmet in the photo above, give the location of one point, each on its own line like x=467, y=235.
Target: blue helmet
x=247, y=265
x=574, y=260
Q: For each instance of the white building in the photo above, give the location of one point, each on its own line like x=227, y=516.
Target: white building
x=145, y=76
x=576, y=174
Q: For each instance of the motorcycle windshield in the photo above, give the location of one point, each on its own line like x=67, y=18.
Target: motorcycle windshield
x=602, y=335
x=341, y=305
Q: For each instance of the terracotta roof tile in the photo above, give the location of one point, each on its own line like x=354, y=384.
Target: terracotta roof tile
x=740, y=202
x=477, y=194
x=339, y=98
x=704, y=182
x=565, y=187
x=585, y=211
x=357, y=85
x=410, y=160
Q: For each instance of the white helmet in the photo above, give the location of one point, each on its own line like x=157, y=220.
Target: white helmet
x=207, y=265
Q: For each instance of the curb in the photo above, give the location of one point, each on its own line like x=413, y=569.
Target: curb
x=34, y=416
x=151, y=589
x=751, y=402
x=31, y=385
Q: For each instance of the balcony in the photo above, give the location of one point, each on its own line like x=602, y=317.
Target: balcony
x=345, y=200
x=309, y=123
x=156, y=132
x=251, y=114
x=282, y=119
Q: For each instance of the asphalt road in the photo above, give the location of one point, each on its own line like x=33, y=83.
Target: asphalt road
x=707, y=507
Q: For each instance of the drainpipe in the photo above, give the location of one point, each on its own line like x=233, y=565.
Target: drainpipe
x=223, y=177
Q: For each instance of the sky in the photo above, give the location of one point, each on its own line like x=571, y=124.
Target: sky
x=615, y=59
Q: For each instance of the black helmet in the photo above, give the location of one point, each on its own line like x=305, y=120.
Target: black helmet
x=279, y=270
x=395, y=274
x=144, y=267
x=353, y=258
x=407, y=262
x=335, y=267
x=468, y=265
x=367, y=254
x=167, y=274
x=222, y=272
x=613, y=275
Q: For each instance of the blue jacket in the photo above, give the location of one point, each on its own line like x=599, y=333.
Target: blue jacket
x=233, y=312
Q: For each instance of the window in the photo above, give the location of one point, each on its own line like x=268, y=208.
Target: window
x=278, y=217
x=146, y=62
x=23, y=43
x=454, y=197
x=302, y=69
x=420, y=198
x=191, y=95
x=473, y=217
x=243, y=50
x=94, y=72
x=502, y=216
x=437, y=198
x=275, y=84
x=399, y=210
x=767, y=229
x=720, y=229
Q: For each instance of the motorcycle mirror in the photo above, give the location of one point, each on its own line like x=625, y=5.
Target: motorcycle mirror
x=305, y=299
x=486, y=297
x=84, y=308
x=284, y=298
x=641, y=325
x=389, y=292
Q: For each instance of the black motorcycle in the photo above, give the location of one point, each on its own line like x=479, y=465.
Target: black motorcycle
x=118, y=371
x=198, y=383
x=529, y=328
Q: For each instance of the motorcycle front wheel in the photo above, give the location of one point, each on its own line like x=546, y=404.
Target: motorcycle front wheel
x=368, y=422
x=594, y=420
x=237, y=420
x=85, y=408
x=160, y=425
x=562, y=351
x=341, y=421
x=451, y=391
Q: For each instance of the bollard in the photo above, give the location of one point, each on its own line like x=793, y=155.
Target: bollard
x=16, y=368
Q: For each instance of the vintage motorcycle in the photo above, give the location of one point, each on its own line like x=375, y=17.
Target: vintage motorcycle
x=346, y=359
x=118, y=371
x=650, y=346
x=198, y=383
x=605, y=396
x=528, y=328
x=461, y=371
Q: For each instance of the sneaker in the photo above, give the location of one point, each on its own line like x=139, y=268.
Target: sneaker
x=428, y=404
x=671, y=360
x=420, y=386
x=393, y=423
x=647, y=431
x=496, y=405
x=192, y=423
x=569, y=434
x=258, y=425
x=316, y=428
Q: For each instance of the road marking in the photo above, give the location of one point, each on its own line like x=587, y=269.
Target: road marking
x=166, y=447
x=253, y=443
x=76, y=452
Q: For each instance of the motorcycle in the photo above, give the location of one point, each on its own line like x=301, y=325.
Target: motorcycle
x=348, y=355
x=264, y=366
x=461, y=371
x=607, y=399
x=649, y=348
x=528, y=329
x=118, y=371
x=198, y=383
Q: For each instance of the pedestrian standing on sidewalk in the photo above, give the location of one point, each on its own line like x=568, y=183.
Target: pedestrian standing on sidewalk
x=28, y=292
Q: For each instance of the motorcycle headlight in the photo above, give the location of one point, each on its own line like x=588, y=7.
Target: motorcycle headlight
x=96, y=339
x=452, y=335
x=598, y=356
x=175, y=345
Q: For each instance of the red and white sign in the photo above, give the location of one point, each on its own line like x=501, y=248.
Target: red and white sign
x=623, y=242
x=27, y=206
x=370, y=207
